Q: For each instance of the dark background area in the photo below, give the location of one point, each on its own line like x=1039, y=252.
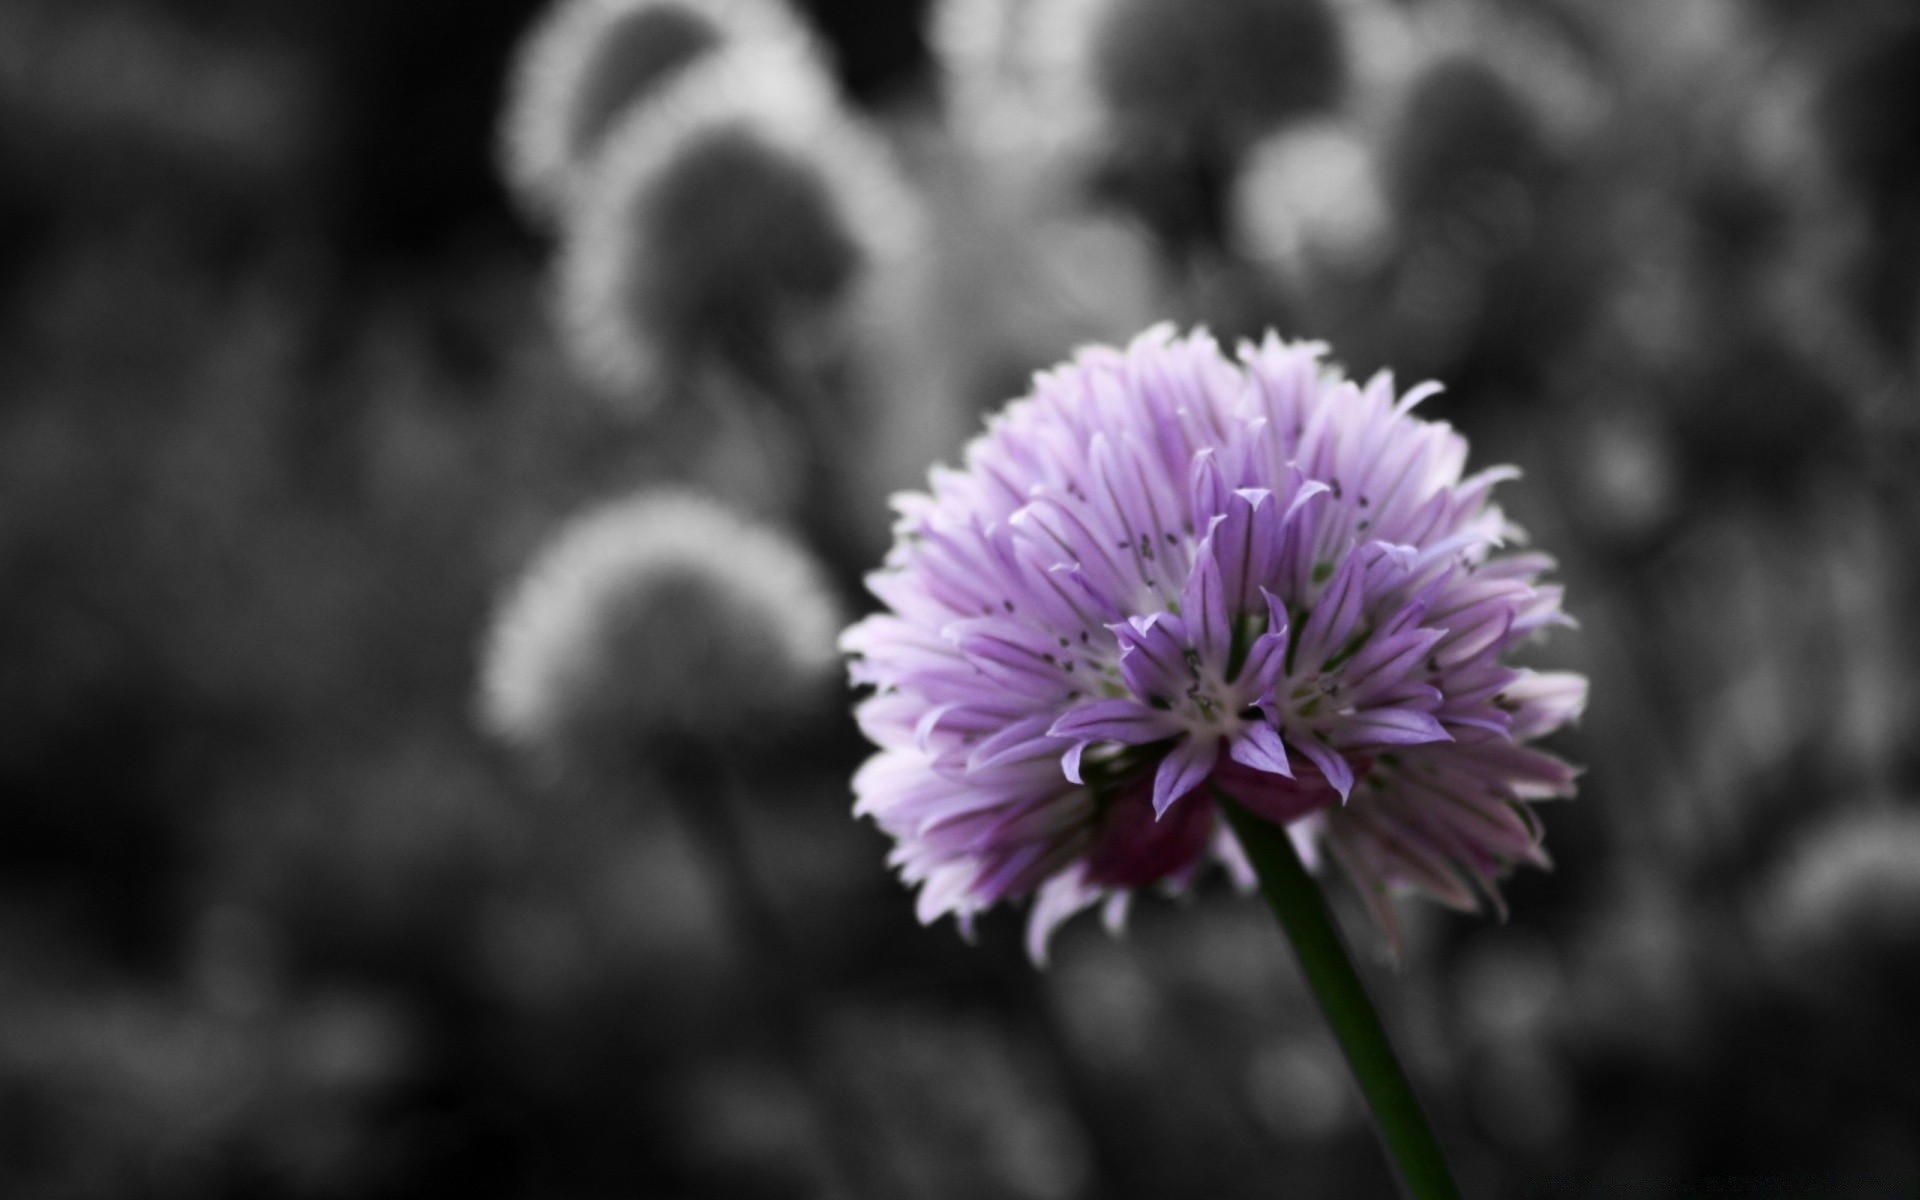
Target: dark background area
x=283, y=414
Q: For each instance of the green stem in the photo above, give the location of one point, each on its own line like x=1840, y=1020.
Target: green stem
x=1296, y=900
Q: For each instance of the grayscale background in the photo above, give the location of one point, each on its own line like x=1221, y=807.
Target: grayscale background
x=288, y=404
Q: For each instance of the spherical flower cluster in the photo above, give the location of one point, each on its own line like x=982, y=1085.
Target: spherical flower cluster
x=740, y=203
x=663, y=614
x=1166, y=574
x=587, y=63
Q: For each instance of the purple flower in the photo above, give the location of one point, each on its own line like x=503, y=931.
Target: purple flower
x=1166, y=572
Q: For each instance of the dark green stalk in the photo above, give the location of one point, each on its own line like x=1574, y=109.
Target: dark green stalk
x=1296, y=900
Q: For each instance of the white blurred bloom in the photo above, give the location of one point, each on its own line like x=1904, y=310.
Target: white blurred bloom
x=1855, y=877
x=1309, y=197
x=588, y=62
x=1019, y=83
x=742, y=202
x=1298, y=1089
x=1629, y=471
x=660, y=614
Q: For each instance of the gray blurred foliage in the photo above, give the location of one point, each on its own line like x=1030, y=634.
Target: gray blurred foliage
x=286, y=410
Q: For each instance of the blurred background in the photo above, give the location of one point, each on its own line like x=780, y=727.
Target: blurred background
x=439, y=440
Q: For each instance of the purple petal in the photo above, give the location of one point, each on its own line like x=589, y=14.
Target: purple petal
x=1153, y=655
x=1134, y=495
x=1203, y=607
x=1026, y=738
x=1259, y=746
x=1387, y=660
x=1335, y=616
x=1070, y=762
x=1207, y=487
x=1331, y=763
x=1476, y=629
x=1183, y=769
x=1311, y=491
x=1391, y=727
x=1076, y=588
x=1057, y=900
x=1013, y=655
x=1267, y=657
x=1060, y=524
x=1544, y=701
x=1246, y=540
x=928, y=722
x=1127, y=721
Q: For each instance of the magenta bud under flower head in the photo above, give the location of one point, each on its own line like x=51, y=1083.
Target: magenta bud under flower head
x=1166, y=572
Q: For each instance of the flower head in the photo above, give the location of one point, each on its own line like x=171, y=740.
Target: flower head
x=1167, y=572
x=661, y=614
x=588, y=62
x=741, y=203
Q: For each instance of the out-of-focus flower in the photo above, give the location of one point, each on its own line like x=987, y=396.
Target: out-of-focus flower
x=1050, y=88
x=733, y=213
x=1309, y=198
x=1626, y=473
x=660, y=615
x=1186, y=86
x=1218, y=72
x=1166, y=571
x=1854, y=882
x=1018, y=86
x=588, y=62
x=1466, y=132
x=1298, y=1089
